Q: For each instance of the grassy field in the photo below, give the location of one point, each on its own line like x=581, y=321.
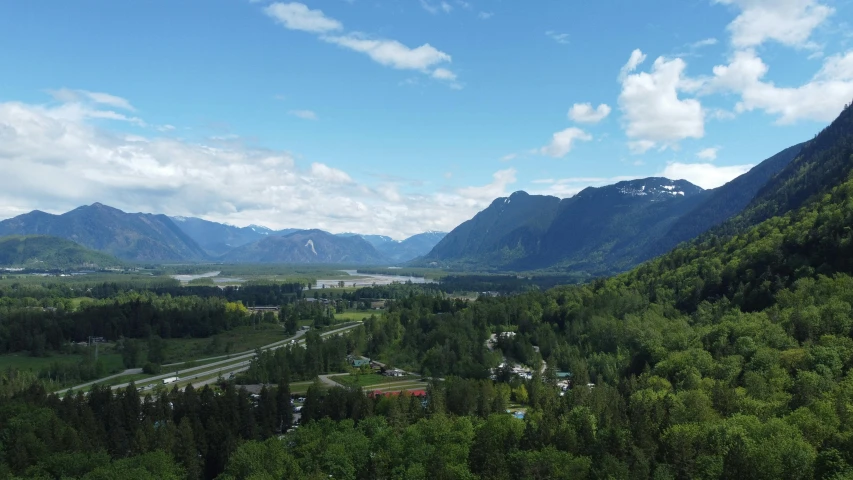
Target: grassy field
x=372, y=379
x=112, y=361
x=238, y=340
x=356, y=315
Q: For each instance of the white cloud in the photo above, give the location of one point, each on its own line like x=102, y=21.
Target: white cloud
x=485, y=15
x=329, y=174
x=703, y=43
x=789, y=22
x=498, y=188
x=637, y=57
x=585, y=113
x=569, y=187
x=67, y=95
x=304, y=114
x=561, y=142
x=706, y=175
x=509, y=157
x=562, y=38
x=429, y=7
x=57, y=157
x=821, y=99
x=393, y=53
x=640, y=146
x=708, y=153
x=166, y=128
x=652, y=110
x=437, y=7
x=443, y=74
x=297, y=16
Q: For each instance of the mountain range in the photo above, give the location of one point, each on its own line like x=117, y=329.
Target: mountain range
x=143, y=237
x=137, y=237
x=600, y=230
x=609, y=229
x=606, y=229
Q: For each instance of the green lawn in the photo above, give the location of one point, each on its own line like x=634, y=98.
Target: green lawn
x=355, y=315
x=372, y=379
x=300, y=388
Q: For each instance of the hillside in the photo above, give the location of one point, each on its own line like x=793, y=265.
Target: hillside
x=822, y=163
x=722, y=203
x=604, y=229
x=599, y=229
x=306, y=246
x=508, y=229
x=130, y=236
x=49, y=253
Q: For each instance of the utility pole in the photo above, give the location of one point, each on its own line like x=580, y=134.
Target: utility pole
x=91, y=341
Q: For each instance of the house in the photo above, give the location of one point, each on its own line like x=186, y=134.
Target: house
x=263, y=309
x=394, y=372
x=377, y=304
x=413, y=393
x=359, y=362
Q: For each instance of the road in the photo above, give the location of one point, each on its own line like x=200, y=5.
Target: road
x=233, y=364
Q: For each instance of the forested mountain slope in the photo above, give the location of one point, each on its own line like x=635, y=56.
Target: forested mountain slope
x=821, y=164
x=598, y=230
x=605, y=229
x=722, y=203
x=510, y=228
x=129, y=236
x=47, y=253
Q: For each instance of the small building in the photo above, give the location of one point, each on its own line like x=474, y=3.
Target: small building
x=359, y=362
x=377, y=304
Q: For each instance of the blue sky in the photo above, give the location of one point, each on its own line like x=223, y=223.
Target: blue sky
x=395, y=117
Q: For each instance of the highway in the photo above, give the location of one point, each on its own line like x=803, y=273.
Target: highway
x=234, y=364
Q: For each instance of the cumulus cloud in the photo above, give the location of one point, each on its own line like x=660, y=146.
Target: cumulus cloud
x=708, y=153
x=57, y=157
x=585, y=113
x=652, y=111
x=297, y=16
x=821, y=99
x=706, y=175
x=562, y=142
x=304, y=114
x=485, y=15
x=789, y=22
x=391, y=53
